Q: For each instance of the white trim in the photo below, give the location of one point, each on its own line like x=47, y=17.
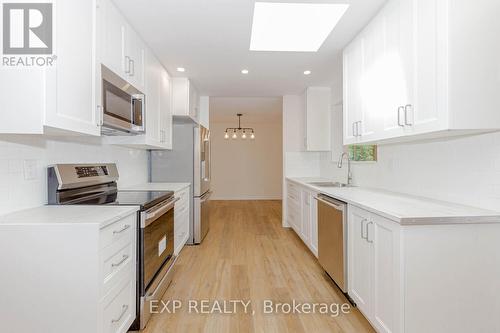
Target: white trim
x=214, y=197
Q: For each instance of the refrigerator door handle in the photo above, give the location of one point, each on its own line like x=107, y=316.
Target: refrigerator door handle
x=205, y=196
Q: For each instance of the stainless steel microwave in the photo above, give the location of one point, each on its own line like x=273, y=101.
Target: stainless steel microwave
x=123, y=106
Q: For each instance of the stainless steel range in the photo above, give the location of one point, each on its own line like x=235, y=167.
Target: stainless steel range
x=95, y=184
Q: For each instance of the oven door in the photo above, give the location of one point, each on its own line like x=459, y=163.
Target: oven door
x=158, y=240
x=156, y=259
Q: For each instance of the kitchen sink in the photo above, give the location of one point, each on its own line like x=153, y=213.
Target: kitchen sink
x=328, y=184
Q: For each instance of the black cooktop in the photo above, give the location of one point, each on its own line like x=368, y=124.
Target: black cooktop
x=144, y=199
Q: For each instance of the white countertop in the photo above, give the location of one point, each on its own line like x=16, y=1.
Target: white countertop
x=69, y=214
x=157, y=187
x=402, y=208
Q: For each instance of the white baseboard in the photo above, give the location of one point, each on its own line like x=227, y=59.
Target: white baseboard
x=246, y=198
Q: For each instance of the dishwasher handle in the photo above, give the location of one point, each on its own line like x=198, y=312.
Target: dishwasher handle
x=337, y=206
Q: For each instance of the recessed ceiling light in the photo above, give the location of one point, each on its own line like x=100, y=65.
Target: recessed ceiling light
x=293, y=26
x=307, y=72
x=244, y=71
x=181, y=69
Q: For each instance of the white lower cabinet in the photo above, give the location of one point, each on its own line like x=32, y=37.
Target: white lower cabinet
x=435, y=278
x=69, y=274
x=374, y=268
x=301, y=214
x=181, y=219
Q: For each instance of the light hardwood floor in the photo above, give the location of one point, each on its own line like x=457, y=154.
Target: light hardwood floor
x=248, y=255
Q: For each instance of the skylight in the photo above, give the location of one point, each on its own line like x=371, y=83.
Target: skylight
x=293, y=26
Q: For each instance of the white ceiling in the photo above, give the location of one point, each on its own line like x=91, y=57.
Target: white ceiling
x=211, y=39
x=254, y=109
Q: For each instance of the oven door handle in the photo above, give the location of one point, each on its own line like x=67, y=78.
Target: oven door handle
x=151, y=217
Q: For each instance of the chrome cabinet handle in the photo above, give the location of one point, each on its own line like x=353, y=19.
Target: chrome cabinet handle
x=125, y=227
x=125, y=308
x=354, y=130
x=408, y=108
x=363, y=228
x=100, y=115
x=358, y=131
x=367, y=232
x=132, y=67
x=401, y=108
x=127, y=64
x=124, y=258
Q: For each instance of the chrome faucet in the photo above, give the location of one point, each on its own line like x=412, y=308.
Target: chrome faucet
x=341, y=163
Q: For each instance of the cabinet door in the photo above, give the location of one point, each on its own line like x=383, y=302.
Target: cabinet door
x=180, y=96
x=135, y=52
x=372, y=89
x=165, y=110
x=386, y=274
x=393, y=78
x=153, y=86
x=314, y=225
x=193, y=102
x=70, y=94
x=113, y=47
x=305, y=229
x=318, y=119
x=424, y=115
x=360, y=260
x=353, y=67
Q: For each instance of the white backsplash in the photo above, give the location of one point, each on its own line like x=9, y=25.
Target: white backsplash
x=302, y=164
x=464, y=170
x=24, y=160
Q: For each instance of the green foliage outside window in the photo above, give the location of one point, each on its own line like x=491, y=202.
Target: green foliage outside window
x=363, y=153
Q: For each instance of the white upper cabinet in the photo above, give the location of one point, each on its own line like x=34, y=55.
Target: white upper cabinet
x=165, y=110
x=185, y=101
x=121, y=49
x=158, y=110
x=111, y=44
x=205, y=111
x=353, y=103
x=423, y=67
x=317, y=119
x=134, y=58
x=57, y=99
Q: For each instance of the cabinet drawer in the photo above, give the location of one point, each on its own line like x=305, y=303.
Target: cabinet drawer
x=183, y=200
x=119, y=312
x=181, y=210
x=117, y=231
x=118, y=263
x=293, y=191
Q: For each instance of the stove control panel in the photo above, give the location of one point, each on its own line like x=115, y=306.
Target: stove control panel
x=91, y=171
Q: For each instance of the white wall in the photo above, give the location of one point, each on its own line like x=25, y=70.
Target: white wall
x=464, y=170
x=247, y=169
x=17, y=193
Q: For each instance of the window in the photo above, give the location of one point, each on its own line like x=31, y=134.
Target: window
x=363, y=153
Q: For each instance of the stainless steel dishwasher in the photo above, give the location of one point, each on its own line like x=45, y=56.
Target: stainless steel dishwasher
x=332, y=239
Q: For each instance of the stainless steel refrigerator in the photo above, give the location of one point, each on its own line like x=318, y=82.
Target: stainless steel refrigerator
x=188, y=161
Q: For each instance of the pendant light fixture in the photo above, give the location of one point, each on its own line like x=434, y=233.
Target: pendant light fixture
x=243, y=130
